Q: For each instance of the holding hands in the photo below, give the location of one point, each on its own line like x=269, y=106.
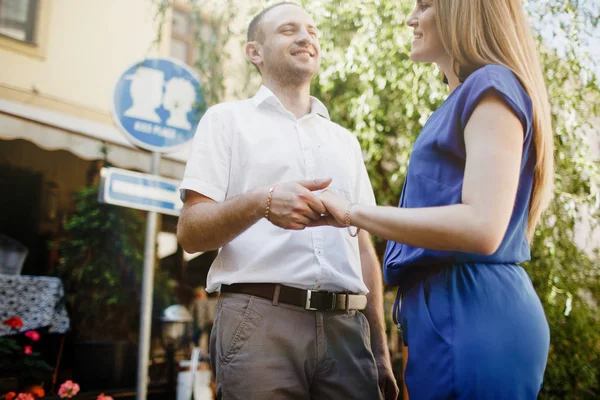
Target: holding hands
x=294, y=205
x=336, y=207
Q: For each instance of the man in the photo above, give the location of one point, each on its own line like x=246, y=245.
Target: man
x=288, y=323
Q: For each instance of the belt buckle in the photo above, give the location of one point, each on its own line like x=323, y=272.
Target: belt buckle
x=308, y=304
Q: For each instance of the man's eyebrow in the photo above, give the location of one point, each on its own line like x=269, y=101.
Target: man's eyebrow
x=286, y=24
x=295, y=24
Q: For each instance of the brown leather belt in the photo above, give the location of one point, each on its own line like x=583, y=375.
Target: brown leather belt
x=314, y=300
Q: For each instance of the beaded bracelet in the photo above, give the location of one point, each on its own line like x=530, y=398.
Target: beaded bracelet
x=347, y=221
x=268, y=208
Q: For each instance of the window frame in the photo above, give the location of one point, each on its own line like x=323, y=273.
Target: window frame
x=37, y=47
x=189, y=38
x=30, y=26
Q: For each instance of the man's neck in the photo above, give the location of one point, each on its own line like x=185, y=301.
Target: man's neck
x=295, y=99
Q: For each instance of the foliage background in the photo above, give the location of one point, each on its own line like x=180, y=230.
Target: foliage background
x=101, y=264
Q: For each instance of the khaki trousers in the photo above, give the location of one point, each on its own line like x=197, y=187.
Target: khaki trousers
x=262, y=351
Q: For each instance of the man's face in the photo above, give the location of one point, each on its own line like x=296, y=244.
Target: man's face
x=290, y=46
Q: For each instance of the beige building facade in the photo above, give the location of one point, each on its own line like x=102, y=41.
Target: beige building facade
x=56, y=89
x=59, y=63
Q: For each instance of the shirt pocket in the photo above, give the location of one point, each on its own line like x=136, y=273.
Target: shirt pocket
x=268, y=160
x=338, y=164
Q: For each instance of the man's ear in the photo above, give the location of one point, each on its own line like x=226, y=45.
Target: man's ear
x=254, y=53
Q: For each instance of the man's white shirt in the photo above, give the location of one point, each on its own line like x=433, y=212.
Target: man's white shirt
x=245, y=144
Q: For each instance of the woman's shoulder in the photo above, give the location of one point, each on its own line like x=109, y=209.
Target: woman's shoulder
x=494, y=75
x=504, y=83
x=493, y=70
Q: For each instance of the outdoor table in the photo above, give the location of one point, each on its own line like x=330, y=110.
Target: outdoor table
x=37, y=300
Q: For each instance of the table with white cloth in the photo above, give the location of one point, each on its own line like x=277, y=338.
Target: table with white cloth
x=38, y=300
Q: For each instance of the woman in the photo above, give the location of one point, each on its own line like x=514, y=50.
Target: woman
x=480, y=175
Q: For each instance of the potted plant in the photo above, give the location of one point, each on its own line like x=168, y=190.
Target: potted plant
x=100, y=263
x=18, y=359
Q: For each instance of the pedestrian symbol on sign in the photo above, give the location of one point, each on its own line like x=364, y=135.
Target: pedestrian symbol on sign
x=178, y=100
x=146, y=94
x=158, y=104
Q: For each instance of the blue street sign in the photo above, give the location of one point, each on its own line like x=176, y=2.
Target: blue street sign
x=157, y=104
x=139, y=191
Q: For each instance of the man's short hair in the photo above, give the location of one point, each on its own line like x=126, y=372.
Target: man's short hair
x=255, y=33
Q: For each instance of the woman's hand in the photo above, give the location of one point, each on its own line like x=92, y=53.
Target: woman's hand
x=336, y=210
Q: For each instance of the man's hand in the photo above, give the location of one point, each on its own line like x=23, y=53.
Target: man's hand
x=294, y=205
x=387, y=381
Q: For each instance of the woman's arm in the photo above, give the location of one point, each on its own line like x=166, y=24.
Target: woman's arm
x=494, y=144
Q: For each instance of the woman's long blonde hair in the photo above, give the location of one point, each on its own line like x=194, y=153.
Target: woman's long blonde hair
x=480, y=32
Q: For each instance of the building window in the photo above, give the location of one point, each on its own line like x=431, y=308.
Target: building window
x=182, y=36
x=18, y=19
x=187, y=29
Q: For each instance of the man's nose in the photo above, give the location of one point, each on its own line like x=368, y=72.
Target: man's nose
x=304, y=37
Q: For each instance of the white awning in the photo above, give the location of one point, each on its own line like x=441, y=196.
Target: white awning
x=52, y=130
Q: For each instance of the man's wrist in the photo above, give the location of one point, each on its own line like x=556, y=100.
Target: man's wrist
x=379, y=344
x=258, y=197
x=382, y=360
x=268, y=204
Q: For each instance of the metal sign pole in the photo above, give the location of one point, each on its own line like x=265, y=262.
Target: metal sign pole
x=145, y=124
x=147, y=289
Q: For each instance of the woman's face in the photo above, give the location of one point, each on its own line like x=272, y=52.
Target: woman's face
x=426, y=46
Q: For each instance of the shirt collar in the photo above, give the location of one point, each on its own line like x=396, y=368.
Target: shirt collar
x=265, y=95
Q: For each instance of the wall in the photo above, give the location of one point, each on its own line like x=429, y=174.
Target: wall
x=87, y=46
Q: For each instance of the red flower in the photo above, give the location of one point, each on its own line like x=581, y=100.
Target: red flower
x=37, y=392
x=13, y=322
x=27, y=350
x=33, y=335
x=10, y=396
x=68, y=389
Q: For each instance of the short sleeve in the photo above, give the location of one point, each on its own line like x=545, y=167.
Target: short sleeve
x=208, y=166
x=363, y=192
x=505, y=84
